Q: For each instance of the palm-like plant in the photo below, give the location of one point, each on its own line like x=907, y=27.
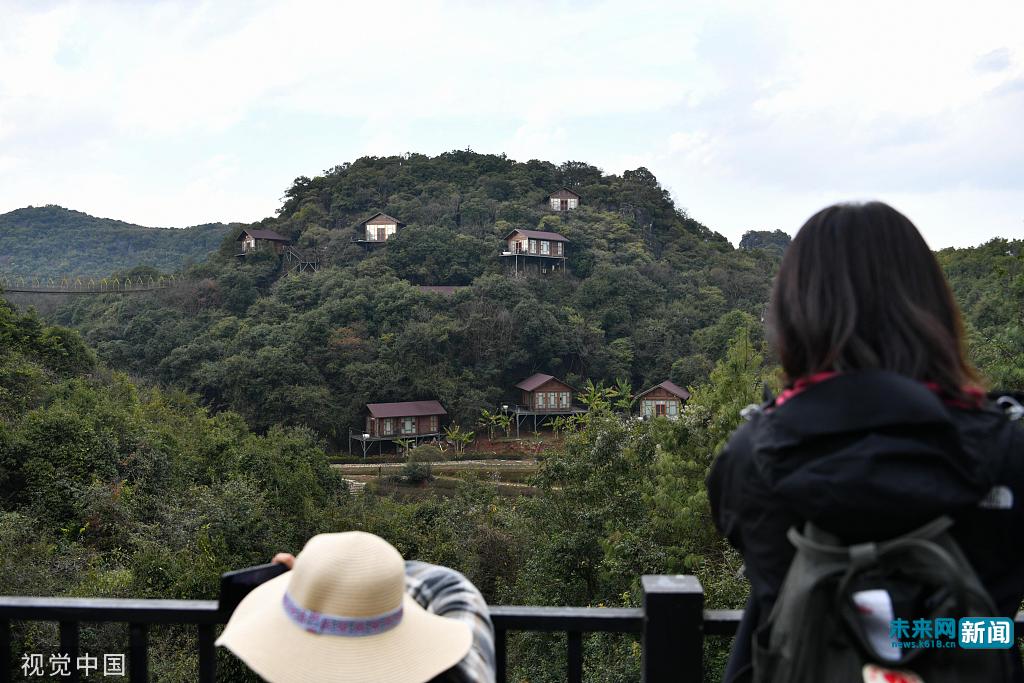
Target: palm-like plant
x=559, y=424
x=595, y=396
x=490, y=421
x=505, y=422
x=622, y=395
x=458, y=438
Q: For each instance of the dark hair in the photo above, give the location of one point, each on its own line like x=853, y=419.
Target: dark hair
x=858, y=289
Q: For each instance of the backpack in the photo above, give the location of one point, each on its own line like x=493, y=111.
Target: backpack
x=831, y=621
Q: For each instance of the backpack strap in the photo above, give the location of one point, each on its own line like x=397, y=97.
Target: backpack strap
x=817, y=540
x=930, y=530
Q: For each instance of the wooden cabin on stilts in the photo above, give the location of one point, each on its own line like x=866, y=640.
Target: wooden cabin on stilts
x=410, y=420
x=542, y=398
x=535, y=251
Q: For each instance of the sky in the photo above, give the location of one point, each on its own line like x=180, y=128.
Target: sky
x=753, y=114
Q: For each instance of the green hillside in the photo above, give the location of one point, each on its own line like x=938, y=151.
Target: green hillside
x=124, y=485
x=51, y=241
x=649, y=294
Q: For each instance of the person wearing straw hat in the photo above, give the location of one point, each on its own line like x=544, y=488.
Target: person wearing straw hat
x=351, y=611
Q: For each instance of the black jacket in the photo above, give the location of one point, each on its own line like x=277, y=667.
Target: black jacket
x=868, y=456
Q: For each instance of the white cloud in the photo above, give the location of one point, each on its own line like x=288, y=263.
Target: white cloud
x=753, y=112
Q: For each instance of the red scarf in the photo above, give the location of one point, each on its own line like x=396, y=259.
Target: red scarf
x=972, y=399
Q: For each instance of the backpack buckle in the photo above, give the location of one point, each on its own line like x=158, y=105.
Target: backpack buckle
x=863, y=555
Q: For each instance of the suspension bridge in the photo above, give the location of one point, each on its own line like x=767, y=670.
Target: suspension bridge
x=295, y=261
x=86, y=285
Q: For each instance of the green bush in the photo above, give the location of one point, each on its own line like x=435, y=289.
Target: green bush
x=427, y=453
x=416, y=473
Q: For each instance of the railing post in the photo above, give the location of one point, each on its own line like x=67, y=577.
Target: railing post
x=138, y=653
x=501, y=655
x=69, y=646
x=207, y=654
x=673, y=636
x=5, y=651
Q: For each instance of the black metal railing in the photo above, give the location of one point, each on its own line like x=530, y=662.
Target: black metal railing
x=671, y=625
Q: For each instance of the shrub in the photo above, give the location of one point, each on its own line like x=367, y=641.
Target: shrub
x=426, y=453
x=416, y=473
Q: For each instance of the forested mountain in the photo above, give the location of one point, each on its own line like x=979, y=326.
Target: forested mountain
x=988, y=281
x=649, y=294
x=51, y=241
x=109, y=489
x=118, y=486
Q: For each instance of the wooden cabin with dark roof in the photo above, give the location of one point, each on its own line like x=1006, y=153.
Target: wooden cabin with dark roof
x=541, y=397
x=254, y=241
x=563, y=200
x=413, y=420
x=378, y=229
x=663, y=400
x=534, y=250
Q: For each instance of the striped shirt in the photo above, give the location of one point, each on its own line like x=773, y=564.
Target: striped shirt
x=448, y=593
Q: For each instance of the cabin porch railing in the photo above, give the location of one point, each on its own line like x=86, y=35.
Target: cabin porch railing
x=671, y=626
x=564, y=410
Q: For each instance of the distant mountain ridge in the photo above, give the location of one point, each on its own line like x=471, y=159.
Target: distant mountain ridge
x=49, y=241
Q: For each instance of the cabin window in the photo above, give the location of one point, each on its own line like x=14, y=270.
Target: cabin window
x=408, y=425
x=572, y=202
x=673, y=408
x=558, y=248
x=433, y=423
x=564, y=399
x=540, y=399
x=648, y=408
x=552, y=399
x=545, y=247
x=555, y=203
x=533, y=246
x=388, y=426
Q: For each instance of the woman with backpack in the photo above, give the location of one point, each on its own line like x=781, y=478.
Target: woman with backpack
x=882, y=428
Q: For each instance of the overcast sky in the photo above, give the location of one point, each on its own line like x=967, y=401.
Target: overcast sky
x=753, y=114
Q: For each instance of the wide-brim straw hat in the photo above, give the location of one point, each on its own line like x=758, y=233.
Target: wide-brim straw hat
x=351, y=588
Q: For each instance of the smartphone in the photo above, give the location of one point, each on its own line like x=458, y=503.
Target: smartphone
x=237, y=584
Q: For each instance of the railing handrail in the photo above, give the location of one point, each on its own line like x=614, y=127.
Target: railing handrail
x=672, y=624
x=135, y=610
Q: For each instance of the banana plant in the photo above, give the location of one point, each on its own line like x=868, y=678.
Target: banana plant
x=458, y=437
x=505, y=422
x=595, y=396
x=622, y=395
x=490, y=421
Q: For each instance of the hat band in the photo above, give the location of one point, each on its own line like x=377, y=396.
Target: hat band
x=331, y=625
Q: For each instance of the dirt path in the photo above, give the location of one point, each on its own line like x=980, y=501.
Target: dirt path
x=357, y=468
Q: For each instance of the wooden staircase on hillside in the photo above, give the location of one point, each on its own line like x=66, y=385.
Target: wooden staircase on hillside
x=299, y=260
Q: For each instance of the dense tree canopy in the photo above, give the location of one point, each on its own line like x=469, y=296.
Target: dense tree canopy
x=207, y=449
x=775, y=240
x=643, y=279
